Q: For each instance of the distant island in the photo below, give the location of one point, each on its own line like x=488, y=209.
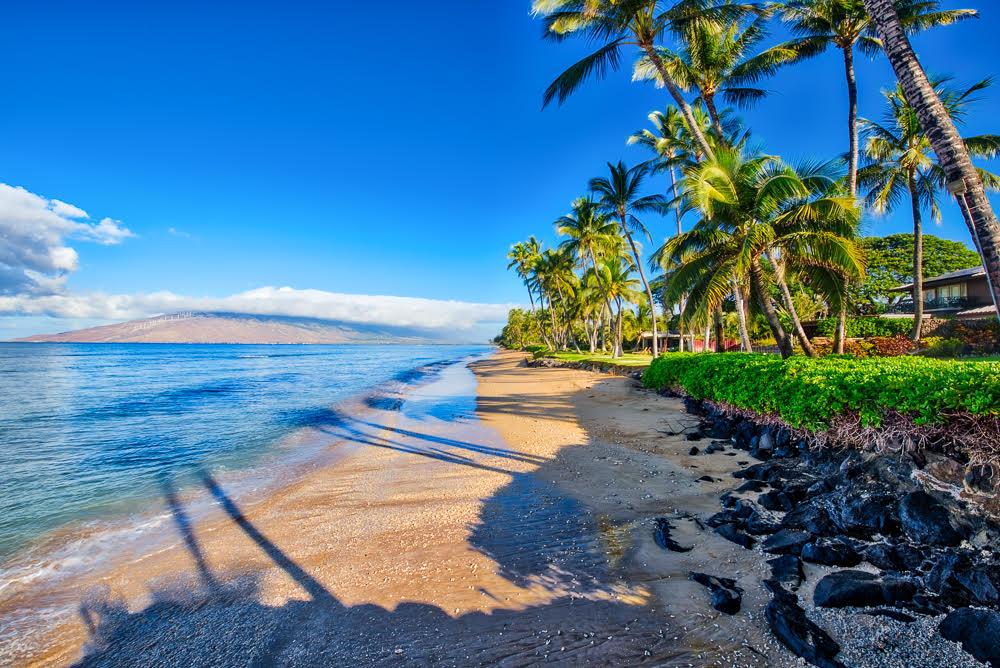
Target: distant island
x=233, y=328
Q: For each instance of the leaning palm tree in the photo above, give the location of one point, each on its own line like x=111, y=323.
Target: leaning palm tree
x=760, y=220
x=900, y=165
x=846, y=25
x=617, y=24
x=716, y=59
x=619, y=196
x=961, y=177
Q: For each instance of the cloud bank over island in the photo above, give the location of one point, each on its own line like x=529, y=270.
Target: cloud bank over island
x=36, y=259
x=411, y=312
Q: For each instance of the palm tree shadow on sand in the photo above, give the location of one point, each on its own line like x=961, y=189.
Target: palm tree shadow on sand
x=534, y=535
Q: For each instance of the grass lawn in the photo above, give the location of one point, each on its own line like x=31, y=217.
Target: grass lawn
x=629, y=359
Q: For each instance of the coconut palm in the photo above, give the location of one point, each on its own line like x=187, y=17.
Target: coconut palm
x=615, y=278
x=558, y=283
x=715, y=59
x=618, y=196
x=846, y=24
x=900, y=165
x=617, y=24
x=960, y=175
x=523, y=256
x=760, y=220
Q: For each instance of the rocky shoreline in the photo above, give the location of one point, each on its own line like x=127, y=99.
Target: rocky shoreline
x=875, y=559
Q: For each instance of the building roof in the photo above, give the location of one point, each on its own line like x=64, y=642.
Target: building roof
x=959, y=276
x=981, y=312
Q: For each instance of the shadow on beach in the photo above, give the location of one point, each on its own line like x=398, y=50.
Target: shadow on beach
x=535, y=534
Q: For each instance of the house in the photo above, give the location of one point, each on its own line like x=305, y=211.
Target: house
x=963, y=294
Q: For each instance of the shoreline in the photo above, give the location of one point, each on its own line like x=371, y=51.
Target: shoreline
x=453, y=541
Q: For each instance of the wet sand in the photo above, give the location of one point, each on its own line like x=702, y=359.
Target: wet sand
x=525, y=535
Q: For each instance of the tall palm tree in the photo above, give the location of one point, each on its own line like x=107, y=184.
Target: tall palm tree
x=846, y=25
x=523, y=256
x=961, y=177
x=617, y=24
x=619, y=196
x=558, y=282
x=760, y=219
x=716, y=59
x=900, y=163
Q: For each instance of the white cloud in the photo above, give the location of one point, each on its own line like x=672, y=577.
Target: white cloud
x=430, y=314
x=34, y=232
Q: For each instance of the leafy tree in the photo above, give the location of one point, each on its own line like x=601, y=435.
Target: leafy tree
x=889, y=264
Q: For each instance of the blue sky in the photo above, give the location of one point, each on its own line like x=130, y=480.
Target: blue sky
x=396, y=150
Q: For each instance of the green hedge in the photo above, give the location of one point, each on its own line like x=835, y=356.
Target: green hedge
x=863, y=328
x=808, y=393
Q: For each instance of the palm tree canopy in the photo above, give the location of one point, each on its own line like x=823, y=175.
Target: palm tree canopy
x=819, y=24
x=591, y=235
x=619, y=195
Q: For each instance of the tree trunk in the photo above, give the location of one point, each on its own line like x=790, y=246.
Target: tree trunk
x=852, y=119
x=619, y=351
x=713, y=113
x=764, y=301
x=679, y=100
x=708, y=336
x=786, y=295
x=720, y=335
x=642, y=277
x=961, y=175
x=918, y=260
x=741, y=318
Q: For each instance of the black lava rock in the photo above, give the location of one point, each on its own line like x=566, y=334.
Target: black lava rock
x=694, y=450
x=811, y=518
x=661, y=534
x=858, y=589
x=775, y=500
x=751, y=486
x=977, y=630
x=787, y=569
x=795, y=631
x=860, y=514
x=758, y=524
x=786, y=541
x=731, y=533
x=830, y=553
x=925, y=520
x=726, y=596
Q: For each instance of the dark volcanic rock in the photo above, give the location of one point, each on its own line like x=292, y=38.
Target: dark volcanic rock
x=925, y=520
x=752, y=486
x=775, y=500
x=726, y=596
x=862, y=514
x=958, y=582
x=694, y=450
x=858, y=589
x=758, y=524
x=795, y=631
x=787, y=569
x=811, y=518
x=786, y=541
x=661, y=534
x=830, y=553
x=766, y=472
x=891, y=614
x=977, y=630
x=723, y=517
x=731, y=533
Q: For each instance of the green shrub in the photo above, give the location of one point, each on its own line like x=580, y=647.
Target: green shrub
x=808, y=392
x=535, y=349
x=937, y=346
x=864, y=328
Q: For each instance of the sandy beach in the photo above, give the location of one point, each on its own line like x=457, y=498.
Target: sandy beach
x=520, y=536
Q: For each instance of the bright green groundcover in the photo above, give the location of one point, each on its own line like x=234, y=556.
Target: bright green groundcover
x=808, y=393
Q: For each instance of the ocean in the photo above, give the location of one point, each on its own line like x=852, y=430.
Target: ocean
x=91, y=435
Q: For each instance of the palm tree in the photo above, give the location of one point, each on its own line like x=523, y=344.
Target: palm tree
x=615, y=277
x=617, y=24
x=900, y=163
x=523, y=256
x=716, y=60
x=960, y=175
x=618, y=196
x=558, y=283
x=846, y=24
x=760, y=219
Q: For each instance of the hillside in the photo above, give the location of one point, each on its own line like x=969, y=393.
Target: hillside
x=231, y=328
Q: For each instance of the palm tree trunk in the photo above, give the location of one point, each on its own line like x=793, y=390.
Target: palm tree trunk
x=713, y=113
x=764, y=301
x=642, y=277
x=961, y=175
x=708, y=336
x=786, y=295
x=741, y=318
x=918, y=260
x=679, y=100
x=619, y=349
x=852, y=119
x=720, y=335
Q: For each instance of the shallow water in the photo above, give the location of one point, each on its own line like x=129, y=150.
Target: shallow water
x=90, y=432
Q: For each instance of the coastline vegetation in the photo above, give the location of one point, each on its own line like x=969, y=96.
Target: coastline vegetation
x=762, y=247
